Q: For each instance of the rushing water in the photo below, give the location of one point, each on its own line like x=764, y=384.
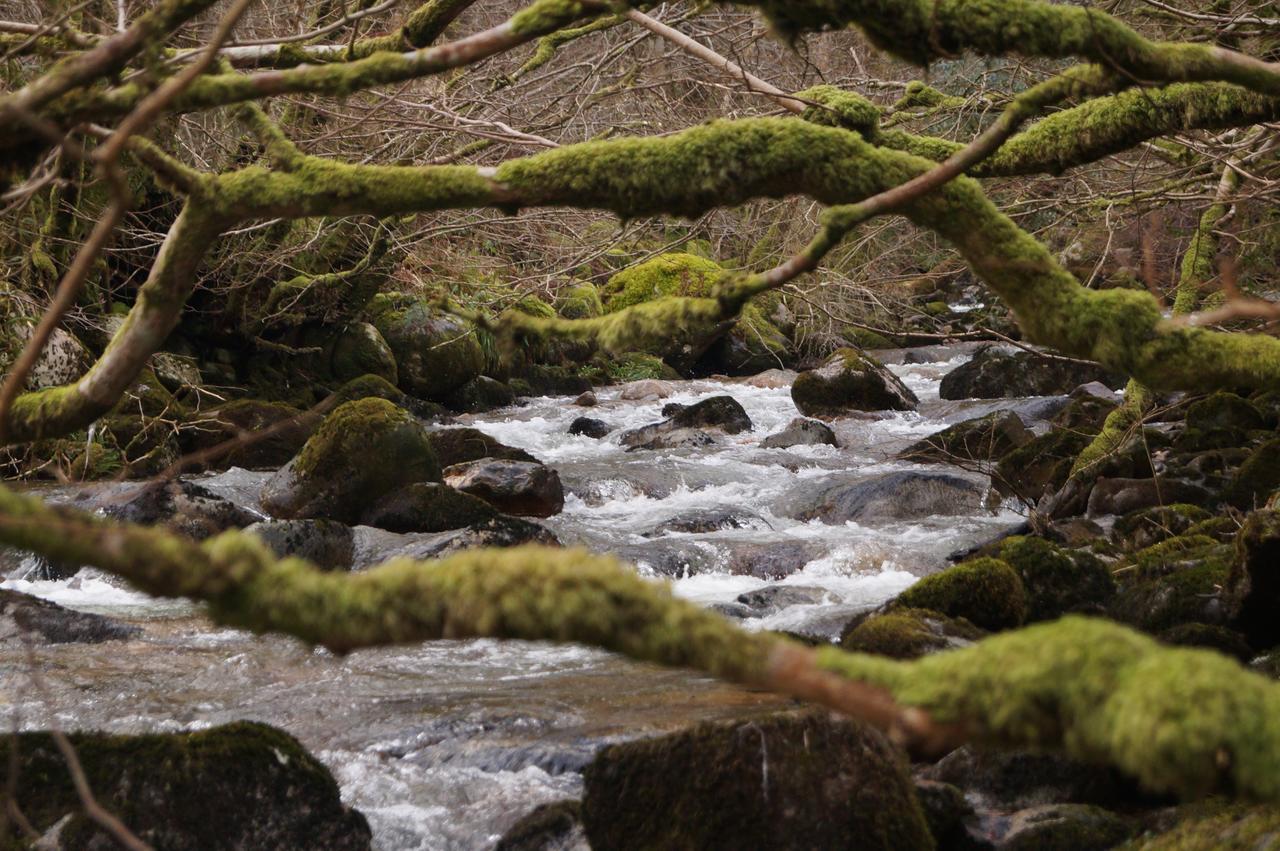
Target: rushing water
x=445, y=745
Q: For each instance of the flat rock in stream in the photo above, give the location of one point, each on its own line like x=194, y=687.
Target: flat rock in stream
x=374, y=546
x=238, y=786
x=774, y=598
x=54, y=624
x=905, y=495
x=705, y=520
x=183, y=506
x=692, y=426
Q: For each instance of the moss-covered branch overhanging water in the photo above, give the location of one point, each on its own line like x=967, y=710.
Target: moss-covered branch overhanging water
x=1180, y=720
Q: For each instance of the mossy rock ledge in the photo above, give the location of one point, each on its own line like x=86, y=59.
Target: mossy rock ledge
x=362, y=451
x=782, y=781
x=242, y=786
x=850, y=381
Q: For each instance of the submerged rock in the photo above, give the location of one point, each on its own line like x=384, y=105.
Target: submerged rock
x=239, y=786
x=783, y=781
x=706, y=520
x=588, y=427
x=515, y=487
x=374, y=546
x=774, y=598
x=850, y=381
x=801, y=432
x=362, y=451
x=892, y=496
x=428, y=507
x=56, y=624
x=996, y=374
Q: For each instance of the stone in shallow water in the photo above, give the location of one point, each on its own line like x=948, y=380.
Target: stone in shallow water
x=324, y=543
x=801, y=432
x=850, y=381
x=691, y=426
x=516, y=487
x=54, y=624
x=589, y=427
x=905, y=495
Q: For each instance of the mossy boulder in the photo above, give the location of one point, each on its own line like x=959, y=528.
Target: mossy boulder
x=480, y=394
x=362, y=451
x=672, y=274
x=905, y=633
x=1140, y=529
x=995, y=374
x=435, y=353
x=637, y=366
x=273, y=432
x=428, y=507
x=1216, y=826
x=1223, y=639
x=1257, y=478
x=1057, y=581
x=1041, y=465
x=1175, y=582
x=359, y=349
x=237, y=786
x=850, y=381
x=580, y=301
x=1065, y=827
x=831, y=783
x=752, y=345
x=985, y=591
x=1219, y=421
x=985, y=438
x=1253, y=585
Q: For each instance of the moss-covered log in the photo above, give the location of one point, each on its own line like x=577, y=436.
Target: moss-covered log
x=1187, y=721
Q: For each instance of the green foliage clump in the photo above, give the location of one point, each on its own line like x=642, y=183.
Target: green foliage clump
x=580, y=301
x=1057, y=581
x=920, y=95
x=906, y=633
x=685, y=275
x=984, y=591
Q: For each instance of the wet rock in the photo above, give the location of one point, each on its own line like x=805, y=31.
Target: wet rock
x=801, y=432
x=772, y=599
x=362, y=451
x=53, y=624
x=586, y=400
x=1148, y=526
x=460, y=445
x=774, y=561
x=1162, y=592
x=691, y=426
x=32, y=567
x=1041, y=465
x=1068, y=827
x=374, y=546
x=1252, y=589
x=435, y=353
x=751, y=345
x=850, y=381
x=480, y=394
x=550, y=827
x=427, y=507
x=1220, y=421
x=1058, y=581
x=985, y=591
x=646, y=388
x=945, y=809
x=985, y=438
x=360, y=349
x=1226, y=641
x=515, y=487
x=1257, y=478
x=324, y=543
x=672, y=557
x=182, y=506
x=588, y=427
x=672, y=408
x=997, y=374
x=1121, y=496
x=276, y=432
x=893, y=496
x=1216, y=825
x=1013, y=780
x=906, y=633
x=772, y=379
x=735, y=611
x=702, y=788
x=707, y=520
x=241, y=785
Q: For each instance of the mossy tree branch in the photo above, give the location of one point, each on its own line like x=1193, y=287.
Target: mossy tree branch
x=1180, y=720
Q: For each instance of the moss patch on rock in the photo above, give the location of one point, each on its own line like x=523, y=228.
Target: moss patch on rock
x=1057, y=581
x=905, y=633
x=985, y=591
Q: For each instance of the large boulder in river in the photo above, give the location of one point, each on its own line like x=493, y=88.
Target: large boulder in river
x=427, y=507
x=359, y=349
x=239, y=786
x=460, y=445
x=982, y=439
x=997, y=374
x=801, y=432
x=325, y=543
x=435, y=353
x=690, y=425
x=362, y=451
x=906, y=633
x=850, y=381
x=905, y=495
x=516, y=487
x=182, y=506
x=782, y=781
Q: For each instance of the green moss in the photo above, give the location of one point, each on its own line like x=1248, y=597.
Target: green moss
x=937, y=308
x=1257, y=478
x=849, y=380
x=921, y=95
x=1216, y=826
x=1057, y=581
x=580, y=301
x=342, y=439
x=1152, y=525
x=637, y=366
x=904, y=633
x=1165, y=556
x=684, y=275
x=840, y=108
x=985, y=591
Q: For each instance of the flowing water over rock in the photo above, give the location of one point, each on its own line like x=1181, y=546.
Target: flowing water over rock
x=445, y=745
